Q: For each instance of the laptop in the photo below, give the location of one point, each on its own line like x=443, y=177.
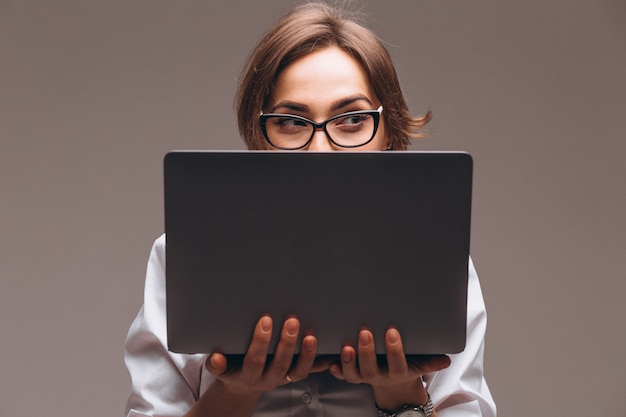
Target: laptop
x=341, y=240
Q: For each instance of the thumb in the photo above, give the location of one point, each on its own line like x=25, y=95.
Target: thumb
x=216, y=364
x=430, y=363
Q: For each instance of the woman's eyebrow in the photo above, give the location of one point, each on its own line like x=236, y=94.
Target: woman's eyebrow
x=349, y=100
x=303, y=108
x=290, y=105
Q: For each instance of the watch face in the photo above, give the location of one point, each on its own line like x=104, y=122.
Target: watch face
x=410, y=412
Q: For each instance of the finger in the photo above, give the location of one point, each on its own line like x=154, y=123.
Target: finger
x=368, y=366
x=285, y=350
x=426, y=364
x=256, y=357
x=216, y=364
x=396, y=360
x=349, y=365
x=335, y=370
x=305, y=362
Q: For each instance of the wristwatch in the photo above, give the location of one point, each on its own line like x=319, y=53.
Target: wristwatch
x=409, y=410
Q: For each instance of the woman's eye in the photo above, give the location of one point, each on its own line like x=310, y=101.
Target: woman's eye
x=353, y=120
x=288, y=123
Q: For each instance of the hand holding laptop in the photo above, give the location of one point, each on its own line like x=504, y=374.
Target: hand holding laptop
x=256, y=372
x=355, y=364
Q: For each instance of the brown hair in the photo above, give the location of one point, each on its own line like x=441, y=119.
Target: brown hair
x=308, y=28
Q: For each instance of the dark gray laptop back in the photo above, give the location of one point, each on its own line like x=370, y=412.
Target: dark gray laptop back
x=341, y=240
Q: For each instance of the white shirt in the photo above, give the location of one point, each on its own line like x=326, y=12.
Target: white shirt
x=166, y=384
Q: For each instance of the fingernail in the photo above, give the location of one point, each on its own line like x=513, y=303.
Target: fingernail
x=346, y=356
x=393, y=336
x=364, y=339
x=212, y=361
x=266, y=324
x=309, y=344
x=291, y=327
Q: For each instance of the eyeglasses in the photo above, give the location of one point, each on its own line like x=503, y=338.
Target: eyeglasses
x=346, y=130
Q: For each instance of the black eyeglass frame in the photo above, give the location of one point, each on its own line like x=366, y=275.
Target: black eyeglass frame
x=316, y=126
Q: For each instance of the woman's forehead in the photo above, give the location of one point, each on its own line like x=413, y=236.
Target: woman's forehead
x=323, y=77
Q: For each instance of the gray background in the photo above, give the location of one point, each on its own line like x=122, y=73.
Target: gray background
x=92, y=94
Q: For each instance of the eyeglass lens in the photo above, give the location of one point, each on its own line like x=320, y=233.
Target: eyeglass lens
x=294, y=132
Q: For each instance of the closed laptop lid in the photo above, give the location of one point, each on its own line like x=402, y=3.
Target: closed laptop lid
x=342, y=240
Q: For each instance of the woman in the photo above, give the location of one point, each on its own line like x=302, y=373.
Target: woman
x=316, y=81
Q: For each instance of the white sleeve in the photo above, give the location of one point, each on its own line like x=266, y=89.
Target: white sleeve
x=164, y=384
x=461, y=389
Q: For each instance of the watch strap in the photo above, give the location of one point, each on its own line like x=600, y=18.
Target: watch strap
x=427, y=409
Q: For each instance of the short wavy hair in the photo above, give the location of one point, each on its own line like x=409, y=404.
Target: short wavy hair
x=308, y=28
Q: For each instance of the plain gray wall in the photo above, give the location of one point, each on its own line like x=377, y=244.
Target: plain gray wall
x=93, y=93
